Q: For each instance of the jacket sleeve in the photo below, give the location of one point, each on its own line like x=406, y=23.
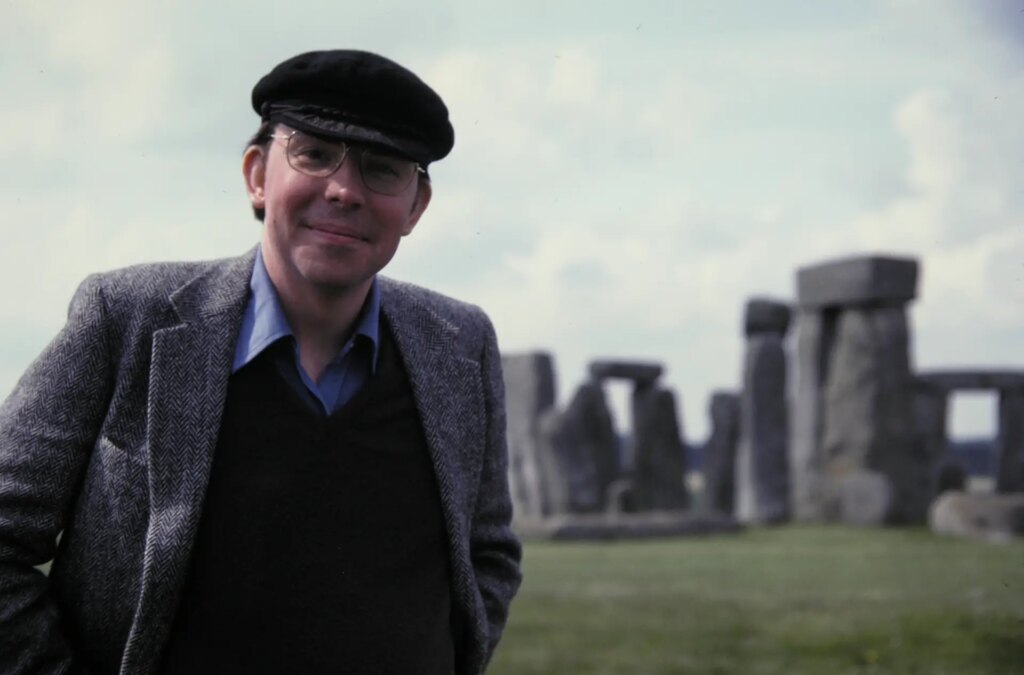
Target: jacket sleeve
x=48, y=426
x=494, y=549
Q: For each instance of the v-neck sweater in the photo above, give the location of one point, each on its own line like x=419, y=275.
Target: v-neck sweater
x=322, y=546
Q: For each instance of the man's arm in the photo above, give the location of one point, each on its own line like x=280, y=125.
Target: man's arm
x=48, y=426
x=494, y=549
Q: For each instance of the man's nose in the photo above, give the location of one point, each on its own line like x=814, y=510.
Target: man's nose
x=345, y=186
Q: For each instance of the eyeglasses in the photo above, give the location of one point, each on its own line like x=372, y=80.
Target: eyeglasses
x=382, y=172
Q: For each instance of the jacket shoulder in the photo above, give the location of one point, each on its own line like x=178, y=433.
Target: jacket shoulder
x=151, y=279
x=465, y=316
x=148, y=287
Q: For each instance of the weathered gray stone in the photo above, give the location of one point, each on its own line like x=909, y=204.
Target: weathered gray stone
x=620, y=496
x=594, y=433
x=642, y=373
x=949, y=477
x=815, y=334
x=857, y=281
x=931, y=405
x=766, y=316
x=868, y=416
x=720, y=453
x=529, y=392
x=553, y=465
x=762, y=463
x=862, y=498
x=968, y=380
x=1010, y=442
x=659, y=460
x=989, y=517
x=578, y=452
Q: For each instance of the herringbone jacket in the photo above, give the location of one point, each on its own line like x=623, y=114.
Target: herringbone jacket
x=108, y=437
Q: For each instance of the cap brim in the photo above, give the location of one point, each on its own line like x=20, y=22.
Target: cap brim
x=318, y=125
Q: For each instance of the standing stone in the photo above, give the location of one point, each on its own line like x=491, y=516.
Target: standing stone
x=815, y=330
x=950, y=476
x=656, y=451
x=659, y=456
x=529, y=392
x=862, y=497
x=762, y=464
x=1010, y=441
x=594, y=432
x=720, y=453
x=766, y=316
x=553, y=466
x=575, y=451
x=931, y=407
x=866, y=419
x=868, y=408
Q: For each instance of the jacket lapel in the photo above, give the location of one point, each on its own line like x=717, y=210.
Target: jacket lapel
x=448, y=393
x=191, y=362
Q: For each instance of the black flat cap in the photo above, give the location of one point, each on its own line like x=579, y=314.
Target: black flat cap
x=357, y=96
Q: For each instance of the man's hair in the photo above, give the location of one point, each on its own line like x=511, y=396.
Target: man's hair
x=262, y=138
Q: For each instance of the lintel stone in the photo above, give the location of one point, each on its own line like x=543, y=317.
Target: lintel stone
x=640, y=372
x=973, y=379
x=861, y=280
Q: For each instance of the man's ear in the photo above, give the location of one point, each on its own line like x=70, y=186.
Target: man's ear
x=254, y=170
x=423, y=194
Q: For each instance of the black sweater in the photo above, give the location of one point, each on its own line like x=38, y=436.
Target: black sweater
x=322, y=546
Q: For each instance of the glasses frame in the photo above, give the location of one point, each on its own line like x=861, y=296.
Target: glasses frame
x=346, y=147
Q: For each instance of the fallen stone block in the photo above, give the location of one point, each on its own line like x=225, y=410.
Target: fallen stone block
x=610, y=526
x=988, y=517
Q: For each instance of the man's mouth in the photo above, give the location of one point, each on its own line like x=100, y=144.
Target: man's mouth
x=335, y=232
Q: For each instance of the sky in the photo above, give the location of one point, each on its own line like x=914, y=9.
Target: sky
x=625, y=175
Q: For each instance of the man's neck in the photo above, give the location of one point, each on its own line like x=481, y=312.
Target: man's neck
x=322, y=319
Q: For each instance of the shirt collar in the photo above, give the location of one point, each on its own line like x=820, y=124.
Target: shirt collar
x=264, y=321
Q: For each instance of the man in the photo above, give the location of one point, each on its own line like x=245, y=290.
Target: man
x=277, y=463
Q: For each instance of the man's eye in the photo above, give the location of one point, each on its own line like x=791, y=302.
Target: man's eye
x=313, y=154
x=380, y=166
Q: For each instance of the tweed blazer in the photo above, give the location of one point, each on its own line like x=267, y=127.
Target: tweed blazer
x=107, y=441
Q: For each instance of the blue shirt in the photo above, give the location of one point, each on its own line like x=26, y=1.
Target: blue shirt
x=264, y=324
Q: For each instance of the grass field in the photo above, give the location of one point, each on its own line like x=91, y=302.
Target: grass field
x=792, y=600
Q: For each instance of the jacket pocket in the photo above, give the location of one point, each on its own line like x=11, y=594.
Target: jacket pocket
x=116, y=482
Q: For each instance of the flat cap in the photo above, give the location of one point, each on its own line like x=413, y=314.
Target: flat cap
x=357, y=96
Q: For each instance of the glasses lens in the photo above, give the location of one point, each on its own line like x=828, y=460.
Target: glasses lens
x=313, y=156
x=382, y=172
x=385, y=173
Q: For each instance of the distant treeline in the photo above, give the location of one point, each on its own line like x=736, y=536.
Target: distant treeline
x=975, y=455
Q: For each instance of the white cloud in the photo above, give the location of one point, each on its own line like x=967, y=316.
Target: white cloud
x=91, y=76
x=574, y=79
x=962, y=216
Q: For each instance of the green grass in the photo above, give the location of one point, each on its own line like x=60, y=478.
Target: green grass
x=791, y=600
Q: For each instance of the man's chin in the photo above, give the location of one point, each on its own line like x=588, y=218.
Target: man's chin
x=335, y=282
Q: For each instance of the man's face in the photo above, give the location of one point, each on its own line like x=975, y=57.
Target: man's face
x=327, y=235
